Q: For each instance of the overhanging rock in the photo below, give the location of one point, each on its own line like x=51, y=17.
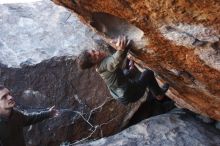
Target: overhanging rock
x=178, y=39
x=33, y=32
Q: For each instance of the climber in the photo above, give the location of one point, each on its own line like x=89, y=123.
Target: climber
x=121, y=87
x=12, y=121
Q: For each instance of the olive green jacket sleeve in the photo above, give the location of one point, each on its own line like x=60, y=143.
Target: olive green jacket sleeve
x=112, y=62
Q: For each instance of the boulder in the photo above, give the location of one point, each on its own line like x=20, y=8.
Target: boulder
x=33, y=32
x=39, y=44
x=176, y=128
x=86, y=111
x=178, y=39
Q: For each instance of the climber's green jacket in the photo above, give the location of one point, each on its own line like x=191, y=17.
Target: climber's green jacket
x=110, y=69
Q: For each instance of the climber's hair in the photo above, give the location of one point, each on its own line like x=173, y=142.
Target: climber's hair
x=85, y=60
x=2, y=87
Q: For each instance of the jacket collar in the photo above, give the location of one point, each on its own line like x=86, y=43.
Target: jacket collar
x=3, y=118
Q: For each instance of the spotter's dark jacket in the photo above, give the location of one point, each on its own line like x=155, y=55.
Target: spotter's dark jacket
x=11, y=128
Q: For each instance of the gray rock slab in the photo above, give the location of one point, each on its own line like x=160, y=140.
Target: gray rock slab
x=32, y=32
x=177, y=128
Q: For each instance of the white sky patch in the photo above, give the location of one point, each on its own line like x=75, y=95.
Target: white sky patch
x=16, y=1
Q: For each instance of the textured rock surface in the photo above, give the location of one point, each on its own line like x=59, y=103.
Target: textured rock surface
x=87, y=111
x=35, y=32
x=178, y=39
x=176, y=128
x=30, y=33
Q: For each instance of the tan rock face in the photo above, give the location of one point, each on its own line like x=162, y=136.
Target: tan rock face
x=178, y=39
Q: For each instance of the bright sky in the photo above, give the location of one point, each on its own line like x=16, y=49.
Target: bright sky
x=16, y=1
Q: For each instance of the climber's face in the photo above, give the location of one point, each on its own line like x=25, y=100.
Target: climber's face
x=96, y=55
